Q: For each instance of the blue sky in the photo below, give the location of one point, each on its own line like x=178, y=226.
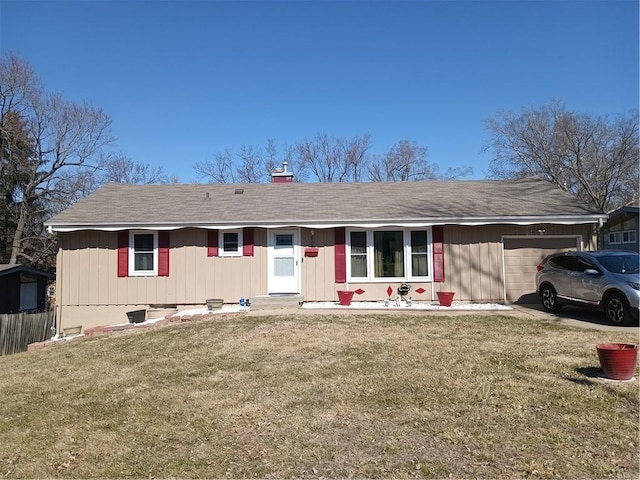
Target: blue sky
x=184, y=79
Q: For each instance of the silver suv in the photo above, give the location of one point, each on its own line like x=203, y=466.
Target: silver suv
x=607, y=279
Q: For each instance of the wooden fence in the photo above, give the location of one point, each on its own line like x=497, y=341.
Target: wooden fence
x=18, y=330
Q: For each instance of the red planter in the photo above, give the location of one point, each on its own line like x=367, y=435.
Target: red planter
x=344, y=297
x=445, y=298
x=618, y=360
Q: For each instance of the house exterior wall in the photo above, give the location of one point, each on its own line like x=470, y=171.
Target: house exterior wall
x=87, y=272
x=474, y=262
x=621, y=223
x=90, y=293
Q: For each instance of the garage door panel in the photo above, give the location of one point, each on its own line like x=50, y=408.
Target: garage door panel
x=522, y=256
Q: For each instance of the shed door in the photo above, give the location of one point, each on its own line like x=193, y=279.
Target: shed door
x=522, y=256
x=28, y=296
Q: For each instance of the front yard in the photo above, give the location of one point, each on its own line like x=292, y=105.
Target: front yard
x=321, y=396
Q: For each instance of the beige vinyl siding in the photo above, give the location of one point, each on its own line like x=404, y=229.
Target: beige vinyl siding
x=318, y=277
x=474, y=257
x=87, y=270
x=473, y=263
x=87, y=267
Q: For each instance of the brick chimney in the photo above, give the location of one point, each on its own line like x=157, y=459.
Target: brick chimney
x=282, y=175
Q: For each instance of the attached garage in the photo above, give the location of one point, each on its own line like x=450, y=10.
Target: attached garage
x=521, y=257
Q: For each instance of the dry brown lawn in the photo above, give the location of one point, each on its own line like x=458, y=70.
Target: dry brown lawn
x=314, y=396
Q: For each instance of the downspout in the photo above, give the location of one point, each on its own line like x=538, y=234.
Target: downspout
x=58, y=311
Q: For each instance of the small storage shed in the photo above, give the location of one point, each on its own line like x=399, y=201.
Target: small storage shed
x=23, y=288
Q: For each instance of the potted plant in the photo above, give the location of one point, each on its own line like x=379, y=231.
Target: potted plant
x=618, y=360
x=345, y=296
x=445, y=298
x=214, y=303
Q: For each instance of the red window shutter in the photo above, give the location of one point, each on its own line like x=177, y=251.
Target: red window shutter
x=123, y=253
x=247, y=242
x=163, y=254
x=212, y=243
x=340, y=255
x=438, y=254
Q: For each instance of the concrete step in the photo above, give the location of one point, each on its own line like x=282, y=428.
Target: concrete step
x=264, y=302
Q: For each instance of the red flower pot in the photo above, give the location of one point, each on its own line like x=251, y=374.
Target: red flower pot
x=445, y=298
x=344, y=297
x=618, y=360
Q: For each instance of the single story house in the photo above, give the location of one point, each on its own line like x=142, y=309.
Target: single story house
x=126, y=247
x=23, y=289
x=622, y=230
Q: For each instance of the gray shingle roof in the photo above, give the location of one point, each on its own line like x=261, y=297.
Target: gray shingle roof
x=482, y=201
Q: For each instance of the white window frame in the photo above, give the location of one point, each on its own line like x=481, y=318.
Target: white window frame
x=221, y=250
x=406, y=239
x=614, y=235
x=631, y=236
x=132, y=259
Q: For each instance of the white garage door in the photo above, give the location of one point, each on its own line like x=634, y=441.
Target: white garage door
x=522, y=256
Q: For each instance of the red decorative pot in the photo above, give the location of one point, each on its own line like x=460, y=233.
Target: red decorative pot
x=618, y=360
x=445, y=298
x=344, y=297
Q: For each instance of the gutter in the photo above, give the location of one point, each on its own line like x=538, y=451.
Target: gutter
x=364, y=223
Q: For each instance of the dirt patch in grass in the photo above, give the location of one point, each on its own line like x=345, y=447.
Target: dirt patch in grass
x=321, y=396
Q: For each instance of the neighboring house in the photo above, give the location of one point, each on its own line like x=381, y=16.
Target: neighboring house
x=23, y=288
x=131, y=246
x=622, y=230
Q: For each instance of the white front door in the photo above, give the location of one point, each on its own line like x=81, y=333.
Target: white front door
x=284, y=264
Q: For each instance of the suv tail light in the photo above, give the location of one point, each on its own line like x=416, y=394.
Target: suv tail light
x=540, y=268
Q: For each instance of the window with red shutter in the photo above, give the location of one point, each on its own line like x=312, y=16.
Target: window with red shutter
x=247, y=242
x=212, y=243
x=438, y=254
x=123, y=253
x=393, y=254
x=163, y=254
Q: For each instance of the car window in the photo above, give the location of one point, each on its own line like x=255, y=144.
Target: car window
x=563, y=262
x=585, y=264
x=620, y=263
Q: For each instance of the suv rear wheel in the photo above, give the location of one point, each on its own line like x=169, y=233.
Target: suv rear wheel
x=617, y=310
x=549, y=299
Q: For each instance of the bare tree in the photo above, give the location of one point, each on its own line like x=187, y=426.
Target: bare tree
x=121, y=169
x=331, y=159
x=406, y=160
x=250, y=165
x=57, y=140
x=253, y=167
x=219, y=169
x=356, y=156
x=592, y=157
x=455, y=173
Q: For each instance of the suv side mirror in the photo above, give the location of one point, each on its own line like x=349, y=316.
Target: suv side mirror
x=591, y=271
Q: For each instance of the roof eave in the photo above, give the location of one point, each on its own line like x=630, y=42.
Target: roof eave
x=363, y=223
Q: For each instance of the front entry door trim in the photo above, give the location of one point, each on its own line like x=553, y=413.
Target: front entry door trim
x=284, y=261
